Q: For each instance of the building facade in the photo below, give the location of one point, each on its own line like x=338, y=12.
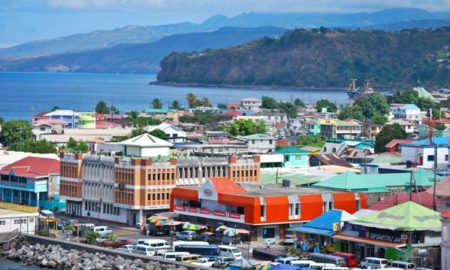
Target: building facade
x=266, y=211
x=445, y=245
x=128, y=190
x=253, y=104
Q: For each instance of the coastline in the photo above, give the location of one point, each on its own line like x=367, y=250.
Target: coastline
x=259, y=87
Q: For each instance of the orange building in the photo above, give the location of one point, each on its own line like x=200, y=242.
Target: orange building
x=267, y=211
x=127, y=190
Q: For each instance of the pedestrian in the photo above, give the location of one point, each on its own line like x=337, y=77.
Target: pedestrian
x=147, y=232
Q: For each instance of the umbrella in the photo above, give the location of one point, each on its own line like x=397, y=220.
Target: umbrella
x=160, y=223
x=157, y=217
x=264, y=267
x=192, y=227
x=221, y=228
x=242, y=231
x=230, y=232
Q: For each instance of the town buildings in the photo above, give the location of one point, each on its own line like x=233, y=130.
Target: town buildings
x=340, y=129
x=267, y=211
x=253, y=104
x=32, y=181
x=259, y=143
x=127, y=189
x=422, y=152
x=408, y=112
x=23, y=221
x=445, y=245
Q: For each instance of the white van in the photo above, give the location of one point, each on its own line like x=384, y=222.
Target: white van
x=402, y=265
x=171, y=255
x=302, y=263
x=143, y=250
x=321, y=266
x=157, y=244
x=47, y=214
x=374, y=263
x=335, y=268
x=102, y=230
x=230, y=251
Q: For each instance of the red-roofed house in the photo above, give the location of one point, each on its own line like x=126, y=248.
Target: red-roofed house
x=266, y=211
x=394, y=145
x=32, y=181
x=423, y=198
x=233, y=113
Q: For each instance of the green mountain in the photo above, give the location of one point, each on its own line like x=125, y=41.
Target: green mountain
x=138, y=58
x=320, y=58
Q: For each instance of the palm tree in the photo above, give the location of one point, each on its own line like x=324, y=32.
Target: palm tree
x=205, y=102
x=133, y=116
x=191, y=100
x=156, y=103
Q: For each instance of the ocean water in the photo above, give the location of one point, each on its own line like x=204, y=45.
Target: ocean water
x=12, y=265
x=25, y=94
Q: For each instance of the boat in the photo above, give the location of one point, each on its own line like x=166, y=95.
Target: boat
x=352, y=90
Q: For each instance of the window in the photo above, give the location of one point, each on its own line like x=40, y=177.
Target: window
x=430, y=158
x=268, y=232
x=263, y=212
x=2, y=222
x=446, y=157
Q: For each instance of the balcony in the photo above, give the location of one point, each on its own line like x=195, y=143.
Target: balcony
x=207, y=213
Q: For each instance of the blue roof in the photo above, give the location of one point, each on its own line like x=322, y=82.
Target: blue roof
x=436, y=140
x=288, y=267
x=409, y=107
x=322, y=224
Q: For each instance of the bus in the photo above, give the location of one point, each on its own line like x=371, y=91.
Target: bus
x=204, y=251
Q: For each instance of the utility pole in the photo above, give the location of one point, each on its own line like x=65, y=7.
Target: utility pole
x=430, y=136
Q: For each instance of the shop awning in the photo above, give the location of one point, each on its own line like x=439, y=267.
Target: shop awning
x=303, y=229
x=368, y=241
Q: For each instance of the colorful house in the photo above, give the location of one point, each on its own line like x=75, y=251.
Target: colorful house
x=397, y=233
x=32, y=181
x=87, y=120
x=294, y=157
x=267, y=211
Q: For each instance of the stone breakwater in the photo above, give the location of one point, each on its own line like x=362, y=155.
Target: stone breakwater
x=56, y=257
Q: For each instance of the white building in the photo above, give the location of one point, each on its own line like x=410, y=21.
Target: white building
x=170, y=130
x=146, y=145
x=23, y=222
x=407, y=126
x=422, y=152
x=445, y=245
x=409, y=112
x=259, y=143
x=253, y=104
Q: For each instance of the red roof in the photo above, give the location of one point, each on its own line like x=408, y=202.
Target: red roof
x=224, y=185
x=446, y=214
x=49, y=122
x=394, y=142
x=33, y=167
x=40, y=115
x=234, y=105
x=105, y=124
x=423, y=198
x=233, y=113
x=442, y=188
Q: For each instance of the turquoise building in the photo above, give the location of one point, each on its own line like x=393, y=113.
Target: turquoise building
x=294, y=157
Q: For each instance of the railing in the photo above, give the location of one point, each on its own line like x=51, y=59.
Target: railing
x=18, y=207
x=206, y=211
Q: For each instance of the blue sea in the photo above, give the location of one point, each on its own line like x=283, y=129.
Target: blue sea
x=12, y=265
x=25, y=94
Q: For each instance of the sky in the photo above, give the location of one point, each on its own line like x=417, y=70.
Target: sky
x=27, y=20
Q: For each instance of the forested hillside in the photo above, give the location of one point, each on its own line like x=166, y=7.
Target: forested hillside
x=320, y=58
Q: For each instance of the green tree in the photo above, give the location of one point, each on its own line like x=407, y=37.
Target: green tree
x=372, y=104
x=325, y=103
x=77, y=146
x=147, y=121
x=187, y=119
x=71, y=143
x=91, y=237
x=158, y=133
x=311, y=140
x=16, y=131
x=54, y=108
x=156, y=103
x=299, y=103
x=387, y=134
x=71, y=228
x=244, y=127
x=406, y=97
x=222, y=106
x=289, y=109
x=353, y=112
x=175, y=105
x=137, y=131
x=269, y=102
x=260, y=126
x=191, y=100
x=440, y=127
x=379, y=119
x=1, y=120
x=102, y=107
x=205, y=102
x=114, y=110
x=29, y=145
x=133, y=116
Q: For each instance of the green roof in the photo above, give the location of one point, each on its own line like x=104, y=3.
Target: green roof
x=162, y=110
x=407, y=216
x=352, y=123
x=376, y=182
x=291, y=150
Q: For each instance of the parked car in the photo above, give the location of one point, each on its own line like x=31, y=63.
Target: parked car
x=102, y=230
x=374, y=263
x=126, y=248
x=186, y=235
x=65, y=223
x=227, y=240
x=223, y=262
x=143, y=250
x=351, y=259
x=206, y=237
x=325, y=258
x=122, y=242
x=207, y=262
x=104, y=240
x=403, y=265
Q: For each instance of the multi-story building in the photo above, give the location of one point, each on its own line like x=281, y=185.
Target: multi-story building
x=70, y=117
x=408, y=112
x=259, y=143
x=340, y=129
x=127, y=190
x=267, y=211
x=32, y=181
x=253, y=104
x=422, y=152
